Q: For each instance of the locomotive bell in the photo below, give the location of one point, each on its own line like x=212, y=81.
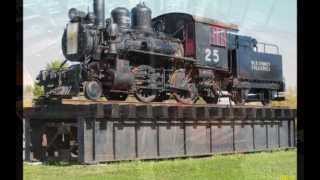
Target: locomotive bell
x=141, y=18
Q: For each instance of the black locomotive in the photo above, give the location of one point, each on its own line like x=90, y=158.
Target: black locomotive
x=173, y=54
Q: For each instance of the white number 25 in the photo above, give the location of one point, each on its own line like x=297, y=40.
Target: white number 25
x=208, y=57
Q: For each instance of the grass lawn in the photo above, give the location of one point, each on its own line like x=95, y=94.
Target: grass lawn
x=278, y=165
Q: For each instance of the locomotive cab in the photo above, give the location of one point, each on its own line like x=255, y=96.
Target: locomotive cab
x=203, y=39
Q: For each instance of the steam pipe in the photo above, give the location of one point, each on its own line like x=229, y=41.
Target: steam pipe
x=99, y=10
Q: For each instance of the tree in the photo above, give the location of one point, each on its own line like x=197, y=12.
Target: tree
x=27, y=95
x=291, y=99
x=55, y=65
x=28, y=90
x=38, y=91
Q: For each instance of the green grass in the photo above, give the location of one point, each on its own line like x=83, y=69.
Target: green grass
x=255, y=166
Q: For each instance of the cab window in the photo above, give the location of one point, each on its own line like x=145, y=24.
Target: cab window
x=218, y=36
x=189, y=46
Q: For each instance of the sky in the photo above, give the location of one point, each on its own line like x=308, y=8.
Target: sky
x=270, y=21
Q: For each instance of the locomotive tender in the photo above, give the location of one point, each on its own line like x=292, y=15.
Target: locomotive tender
x=173, y=54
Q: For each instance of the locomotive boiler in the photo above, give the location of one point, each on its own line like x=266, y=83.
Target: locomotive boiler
x=174, y=54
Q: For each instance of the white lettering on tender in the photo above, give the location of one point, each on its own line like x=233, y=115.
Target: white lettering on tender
x=260, y=66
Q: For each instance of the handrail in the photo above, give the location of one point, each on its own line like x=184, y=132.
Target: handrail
x=266, y=45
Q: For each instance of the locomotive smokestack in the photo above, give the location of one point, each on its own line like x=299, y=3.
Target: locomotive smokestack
x=99, y=9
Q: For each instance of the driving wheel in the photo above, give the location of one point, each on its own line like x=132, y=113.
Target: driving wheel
x=92, y=90
x=146, y=80
x=183, y=89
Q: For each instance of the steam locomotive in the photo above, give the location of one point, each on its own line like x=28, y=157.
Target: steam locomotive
x=174, y=54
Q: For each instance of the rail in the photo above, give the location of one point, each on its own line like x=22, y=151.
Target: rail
x=165, y=103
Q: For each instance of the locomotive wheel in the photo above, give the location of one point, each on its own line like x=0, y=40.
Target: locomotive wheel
x=146, y=95
x=266, y=103
x=184, y=91
x=92, y=90
x=187, y=97
x=266, y=100
x=145, y=79
x=238, y=97
x=239, y=101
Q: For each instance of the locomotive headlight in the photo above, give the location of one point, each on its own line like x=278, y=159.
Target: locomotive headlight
x=73, y=13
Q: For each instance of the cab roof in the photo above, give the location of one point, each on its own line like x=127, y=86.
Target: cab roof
x=189, y=17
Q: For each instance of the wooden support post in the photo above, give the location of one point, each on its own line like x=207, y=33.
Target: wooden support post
x=93, y=139
x=136, y=126
x=114, y=141
x=233, y=137
x=267, y=137
x=253, y=138
x=279, y=143
x=294, y=132
x=211, y=150
x=27, y=137
x=80, y=138
x=184, y=139
x=289, y=133
x=158, y=141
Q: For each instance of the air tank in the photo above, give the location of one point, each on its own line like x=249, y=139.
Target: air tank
x=121, y=16
x=141, y=18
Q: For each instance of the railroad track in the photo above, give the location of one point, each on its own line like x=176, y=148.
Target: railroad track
x=167, y=103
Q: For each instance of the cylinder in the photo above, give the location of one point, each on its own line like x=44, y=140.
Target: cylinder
x=99, y=9
x=141, y=18
x=117, y=80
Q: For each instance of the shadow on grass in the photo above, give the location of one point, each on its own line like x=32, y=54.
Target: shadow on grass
x=60, y=163
x=75, y=162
